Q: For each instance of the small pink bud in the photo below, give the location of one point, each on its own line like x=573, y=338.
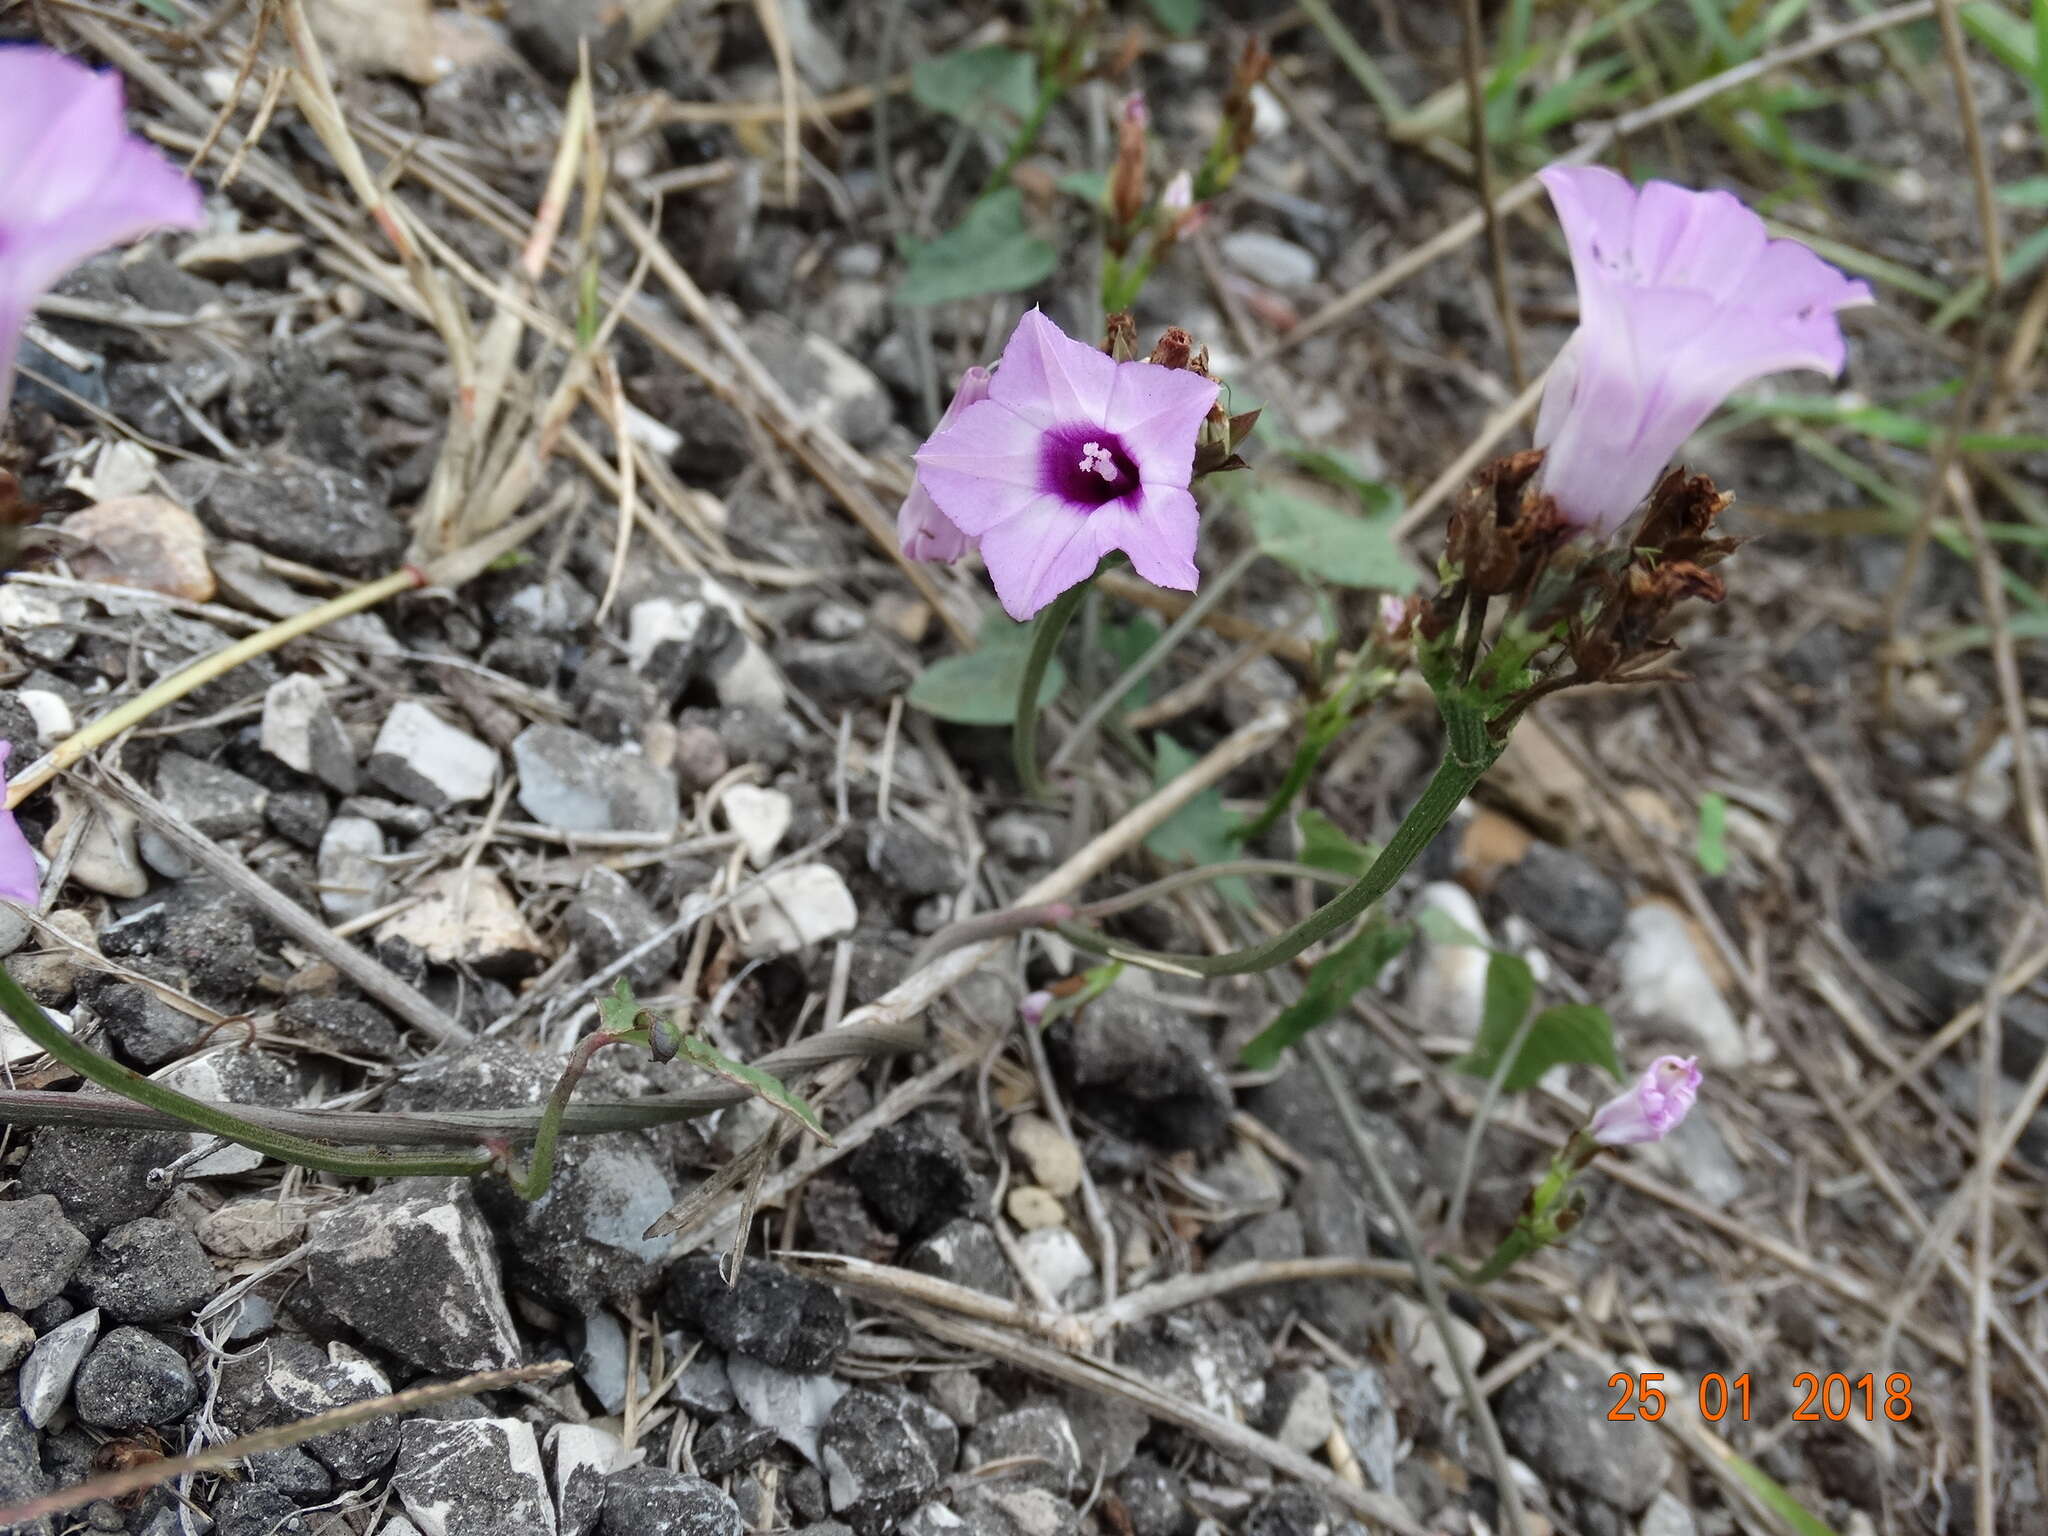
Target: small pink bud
x=1032, y=1009
x=924, y=531
x=1652, y=1108
x=1179, y=195
x=1135, y=112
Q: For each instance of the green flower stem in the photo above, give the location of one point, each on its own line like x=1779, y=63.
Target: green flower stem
x=1548, y=1214
x=1319, y=731
x=23, y=1011
x=534, y=1182
x=1453, y=781
x=1045, y=639
x=1027, y=135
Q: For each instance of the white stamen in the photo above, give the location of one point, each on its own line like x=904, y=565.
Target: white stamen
x=1095, y=457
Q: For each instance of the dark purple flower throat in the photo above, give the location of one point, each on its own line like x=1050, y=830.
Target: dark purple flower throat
x=1086, y=466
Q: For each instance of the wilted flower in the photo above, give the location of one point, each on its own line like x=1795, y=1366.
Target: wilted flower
x=19, y=880
x=1072, y=455
x=1683, y=299
x=1651, y=1109
x=77, y=180
x=925, y=532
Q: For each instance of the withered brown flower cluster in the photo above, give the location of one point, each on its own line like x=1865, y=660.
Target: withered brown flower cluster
x=1608, y=606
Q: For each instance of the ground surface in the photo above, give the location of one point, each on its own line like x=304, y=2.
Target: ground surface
x=674, y=743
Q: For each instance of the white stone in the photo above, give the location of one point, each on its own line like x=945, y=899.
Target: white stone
x=424, y=759
x=796, y=907
x=1696, y=1157
x=108, y=860
x=15, y=1046
x=601, y=1362
x=51, y=714
x=46, y=1377
x=464, y=917
x=656, y=620
x=1417, y=1336
x=1666, y=1516
x=253, y=1228
x=750, y=679
x=1056, y=1259
x=1034, y=1208
x=1268, y=259
x=760, y=816
x=1447, y=988
x=301, y=731
x=1054, y=1161
x=795, y=1407
x=352, y=881
x=1665, y=985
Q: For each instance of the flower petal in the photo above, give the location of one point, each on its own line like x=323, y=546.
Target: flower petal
x=985, y=466
x=19, y=879
x=1048, y=378
x=1158, y=412
x=1038, y=552
x=1159, y=535
x=925, y=532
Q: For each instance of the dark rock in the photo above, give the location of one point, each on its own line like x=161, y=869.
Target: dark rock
x=133, y=1379
x=840, y=1222
x=1289, y=1511
x=89, y=382
x=410, y=1267
x=964, y=1251
x=21, y=1471
x=200, y=929
x=533, y=660
x=774, y=1316
x=1040, y=1437
x=299, y=815
x=729, y=1443
x=1554, y=1416
x=585, y=1245
x=345, y=1025
x=915, y=1177
x=217, y=801
x=1144, y=1071
x=805, y=1491
x=286, y=1378
x=311, y=513
x=250, y=1509
x=39, y=1251
x=1204, y=1355
x=912, y=862
x=844, y=671
x=101, y=1178
x=147, y=1271
x=652, y=1501
x=1155, y=1498
x=1566, y=896
x=144, y=1028
x=878, y=1459
x=1004, y=1509
x=292, y=1473
x=472, y=1477
x=1929, y=932
x=608, y=918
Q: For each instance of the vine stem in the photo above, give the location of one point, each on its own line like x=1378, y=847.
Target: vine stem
x=1453, y=781
x=1045, y=639
x=23, y=1011
x=534, y=1182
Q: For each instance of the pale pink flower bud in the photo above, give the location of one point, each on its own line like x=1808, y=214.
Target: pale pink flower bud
x=1652, y=1108
x=1135, y=112
x=924, y=531
x=1179, y=195
x=1032, y=1009
x=19, y=880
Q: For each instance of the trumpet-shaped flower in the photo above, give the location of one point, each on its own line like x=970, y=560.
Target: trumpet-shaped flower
x=1071, y=456
x=1683, y=299
x=19, y=880
x=925, y=532
x=1652, y=1108
x=76, y=180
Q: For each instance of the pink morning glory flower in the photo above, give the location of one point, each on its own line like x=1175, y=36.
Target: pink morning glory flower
x=925, y=532
x=1683, y=299
x=1071, y=456
x=19, y=880
x=76, y=180
x=1651, y=1109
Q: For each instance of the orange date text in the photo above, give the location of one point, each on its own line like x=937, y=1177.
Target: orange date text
x=1832, y=1397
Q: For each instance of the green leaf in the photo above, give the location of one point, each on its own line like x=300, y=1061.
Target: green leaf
x=1178, y=16
x=699, y=1052
x=2032, y=192
x=980, y=688
x=982, y=87
x=1323, y=846
x=1089, y=186
x=1774, y=1497
x=1442, y=928
x=1713, y=840
x=1337, y=978
x=1325, y=542
x=1574, y=1033
x=1199, y=832
x=619, y=1011
x=992, y=250
x=2005, y=34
